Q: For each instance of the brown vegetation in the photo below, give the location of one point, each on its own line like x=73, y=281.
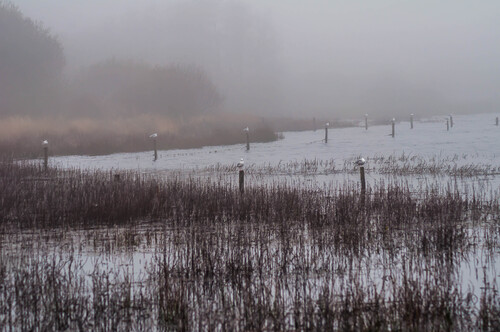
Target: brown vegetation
x=275, y=258
x=22, y=136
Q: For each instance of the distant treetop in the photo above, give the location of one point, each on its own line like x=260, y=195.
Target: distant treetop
x=128, y=87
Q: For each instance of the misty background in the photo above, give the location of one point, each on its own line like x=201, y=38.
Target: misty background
x=337, y=59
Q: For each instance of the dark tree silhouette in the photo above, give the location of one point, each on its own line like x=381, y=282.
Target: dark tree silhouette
x=125, y=87
x=31, y=64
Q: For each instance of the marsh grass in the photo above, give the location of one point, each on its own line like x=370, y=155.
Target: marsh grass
x=21, y=137
x=458, y=166
x=278, y=257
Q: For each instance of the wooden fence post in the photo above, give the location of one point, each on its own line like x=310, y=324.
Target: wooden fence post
x=248, y=137
x=45, y=145
x=241, y=174
x=155, y=154
x=326, y=132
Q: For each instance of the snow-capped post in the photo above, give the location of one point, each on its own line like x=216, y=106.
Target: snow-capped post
x=326, y=131
x=496, y=121
x=45, y=145
x=361, y=163
x=366, y=121
x=154, y=136
x=246, y=130
x=447, y=125
x=451, y=121
x=411, y=121
x=393, y=127
x=241, y=173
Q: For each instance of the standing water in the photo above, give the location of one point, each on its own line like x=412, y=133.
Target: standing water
x=303, y=247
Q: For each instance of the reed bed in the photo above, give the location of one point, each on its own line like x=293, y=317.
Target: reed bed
x=21, y=137
x=462, y=166
x=80, y=250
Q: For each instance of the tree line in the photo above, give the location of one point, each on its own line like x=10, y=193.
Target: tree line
x=32, y=80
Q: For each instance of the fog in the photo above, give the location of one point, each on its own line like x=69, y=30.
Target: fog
x=338, y=59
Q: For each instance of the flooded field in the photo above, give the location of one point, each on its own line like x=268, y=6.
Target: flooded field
x=174, y=245
x=426, y=153
x=473, y=137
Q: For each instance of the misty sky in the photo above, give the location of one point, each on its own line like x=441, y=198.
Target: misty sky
x=336, y=58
